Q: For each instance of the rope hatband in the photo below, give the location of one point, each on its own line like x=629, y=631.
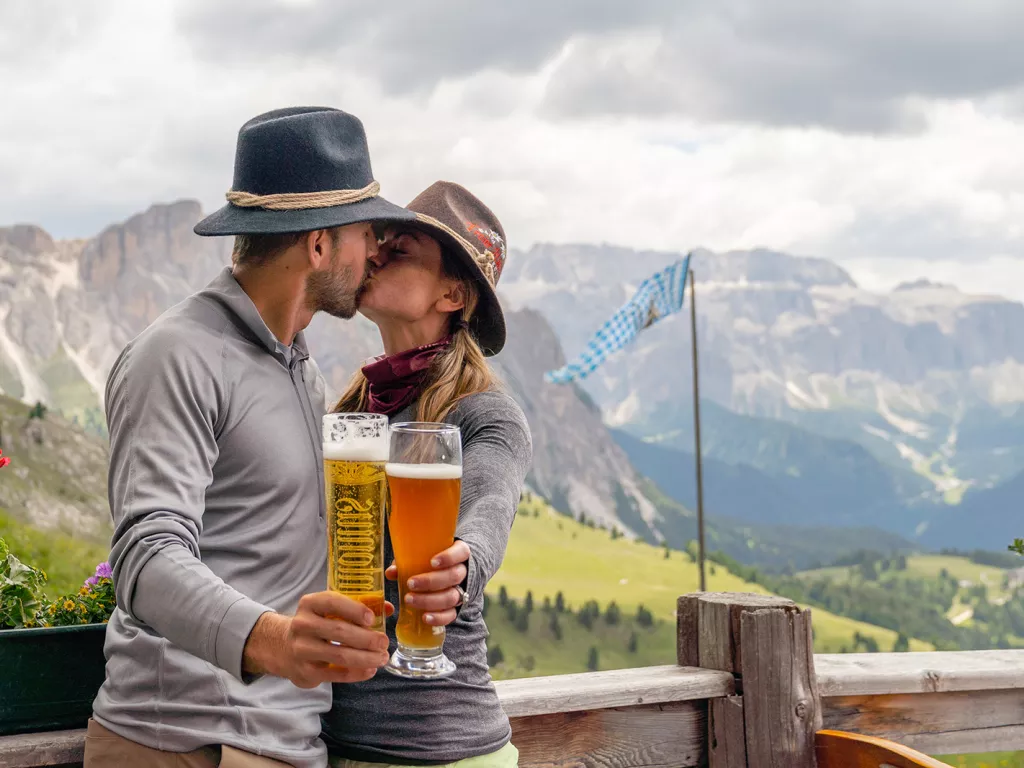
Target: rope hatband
x=298, y=201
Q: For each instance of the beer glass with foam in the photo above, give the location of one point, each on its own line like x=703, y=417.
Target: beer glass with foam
x=355, y=455
x=425, y=478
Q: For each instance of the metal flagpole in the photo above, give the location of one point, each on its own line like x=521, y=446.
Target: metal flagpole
x=696, y=435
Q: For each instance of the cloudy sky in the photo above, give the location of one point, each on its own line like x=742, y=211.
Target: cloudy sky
x=885, y=134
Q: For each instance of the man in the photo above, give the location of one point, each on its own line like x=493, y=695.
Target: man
x=224, y=643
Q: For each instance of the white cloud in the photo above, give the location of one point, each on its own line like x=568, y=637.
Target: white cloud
x=124, y=111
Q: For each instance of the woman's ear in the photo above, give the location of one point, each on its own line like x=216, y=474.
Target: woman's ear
x=454, y=298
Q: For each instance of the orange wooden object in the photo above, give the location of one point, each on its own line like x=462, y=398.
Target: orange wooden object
x=838, y=749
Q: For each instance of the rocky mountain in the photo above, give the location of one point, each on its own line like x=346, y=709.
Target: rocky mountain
x=928, y=379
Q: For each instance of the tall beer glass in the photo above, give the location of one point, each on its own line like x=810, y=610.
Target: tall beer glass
x=425, y=478
x=355, y=454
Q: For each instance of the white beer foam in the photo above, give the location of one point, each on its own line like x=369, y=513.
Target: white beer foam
x=425, y=471
x=357, y=449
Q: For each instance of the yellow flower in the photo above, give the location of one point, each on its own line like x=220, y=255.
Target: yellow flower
x=52, y=609
x=68, y=605
x=81, y=608
x=83, y=591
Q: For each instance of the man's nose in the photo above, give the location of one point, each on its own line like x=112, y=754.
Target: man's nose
x=373, y=251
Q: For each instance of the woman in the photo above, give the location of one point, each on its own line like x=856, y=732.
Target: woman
x=432, y=297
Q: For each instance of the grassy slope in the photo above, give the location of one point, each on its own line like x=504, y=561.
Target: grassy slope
x=66, y=561
x=655, y=645
x=58, y=473
x=929, y=567
x=552, y=553
x=989, y=760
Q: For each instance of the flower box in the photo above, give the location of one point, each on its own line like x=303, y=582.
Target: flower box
x=49, y=677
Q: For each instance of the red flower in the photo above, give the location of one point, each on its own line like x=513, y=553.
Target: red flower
x=4, y=461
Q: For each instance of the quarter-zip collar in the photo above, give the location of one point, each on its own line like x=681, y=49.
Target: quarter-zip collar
x=225, y=289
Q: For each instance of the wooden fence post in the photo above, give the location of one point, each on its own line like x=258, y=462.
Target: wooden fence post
x=766, y=642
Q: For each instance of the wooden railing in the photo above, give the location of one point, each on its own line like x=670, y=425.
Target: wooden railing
x=747, y=693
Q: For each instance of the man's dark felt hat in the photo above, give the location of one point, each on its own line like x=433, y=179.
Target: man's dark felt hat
x=300, y=169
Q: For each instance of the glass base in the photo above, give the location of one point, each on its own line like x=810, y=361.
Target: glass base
x=420, y=663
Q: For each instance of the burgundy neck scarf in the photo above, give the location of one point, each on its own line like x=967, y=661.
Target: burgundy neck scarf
x=397, y=381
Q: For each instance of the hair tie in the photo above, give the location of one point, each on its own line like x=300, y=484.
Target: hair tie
x=460, y=325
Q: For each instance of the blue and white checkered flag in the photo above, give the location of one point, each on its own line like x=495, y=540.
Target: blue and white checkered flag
x=658, y=296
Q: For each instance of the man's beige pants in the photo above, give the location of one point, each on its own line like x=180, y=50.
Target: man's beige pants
x=105, y=749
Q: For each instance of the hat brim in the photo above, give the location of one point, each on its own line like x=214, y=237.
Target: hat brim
x=234, y=220
x=488, y=323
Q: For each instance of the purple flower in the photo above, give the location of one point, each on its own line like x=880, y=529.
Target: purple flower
x=92, y=581
x=103, y=571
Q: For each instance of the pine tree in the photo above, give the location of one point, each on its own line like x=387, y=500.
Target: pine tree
x=528, y=604
x=560, y=603
x=902, y=644
x=644, y=617
x=547, y=604
x=495, y=656
x=612, y=614
x=555, y=626
x=634, y=641
x=512, y=610
x=592, y=659
x=588, y=613
x=522, y=622
x=502, y=596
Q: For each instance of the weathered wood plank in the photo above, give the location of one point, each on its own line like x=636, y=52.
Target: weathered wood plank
x=662, y=736
x=39, y=749
x=780, y=699
x=935, y=723
x=615, y=688
x=858, y=674
x=687, y=632
x=727, y=746
x=719, y=615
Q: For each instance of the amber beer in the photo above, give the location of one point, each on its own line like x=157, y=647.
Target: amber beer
x=425, y=480
x=355, y=455
x=424, y=510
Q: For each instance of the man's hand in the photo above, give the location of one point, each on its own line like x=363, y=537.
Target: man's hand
x=435, y=592
x=302, y=647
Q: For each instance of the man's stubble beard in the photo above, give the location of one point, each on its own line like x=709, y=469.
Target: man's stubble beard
x=329, y=292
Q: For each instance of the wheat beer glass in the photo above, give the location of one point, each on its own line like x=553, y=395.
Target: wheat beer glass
x=425, y=478
x=355, y=454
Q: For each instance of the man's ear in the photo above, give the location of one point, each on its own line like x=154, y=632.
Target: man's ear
x=318, y=248
x=454, y=298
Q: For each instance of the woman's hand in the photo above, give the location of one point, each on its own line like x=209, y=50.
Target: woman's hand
x=435, y=592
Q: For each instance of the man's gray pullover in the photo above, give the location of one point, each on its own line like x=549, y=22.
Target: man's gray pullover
x=216, y=490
